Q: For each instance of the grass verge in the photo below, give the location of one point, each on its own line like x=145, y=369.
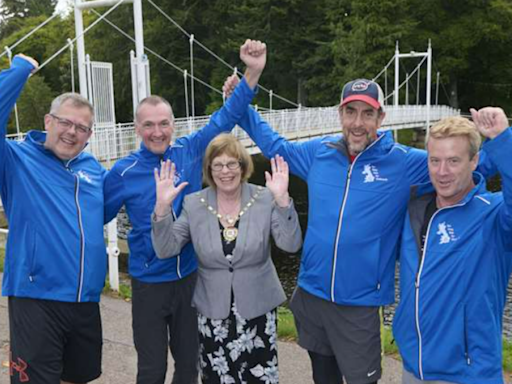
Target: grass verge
x=2, y=258
x=286, y=330
x=388, y=343
x=507, y=356
x=125, y=291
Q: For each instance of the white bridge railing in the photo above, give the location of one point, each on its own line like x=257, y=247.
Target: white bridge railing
x=111, y=142
x=114, y=141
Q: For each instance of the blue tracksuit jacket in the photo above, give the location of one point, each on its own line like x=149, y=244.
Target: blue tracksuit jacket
x=55, y=249
x=449, y=321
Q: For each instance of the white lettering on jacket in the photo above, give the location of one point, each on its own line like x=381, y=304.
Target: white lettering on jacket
x=371, y=174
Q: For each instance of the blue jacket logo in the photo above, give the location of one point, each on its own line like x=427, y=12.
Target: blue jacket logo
x=371, y=174
x=85, y=176
x=446, y=232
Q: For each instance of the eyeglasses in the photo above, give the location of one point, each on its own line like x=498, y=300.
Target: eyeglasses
x=232, y=166
x=67, y=124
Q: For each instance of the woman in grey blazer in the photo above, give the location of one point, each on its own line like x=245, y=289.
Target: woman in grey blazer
x=237, y=290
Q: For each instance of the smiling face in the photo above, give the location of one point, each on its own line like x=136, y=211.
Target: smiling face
x=226, y=173
x=451, y=168
x=155, y=125
x=63, y=138
x=360, y=122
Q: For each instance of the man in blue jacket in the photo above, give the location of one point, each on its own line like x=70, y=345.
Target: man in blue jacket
x=455, y=257
x=55, y=264
x=162, y=289
x=358, y=186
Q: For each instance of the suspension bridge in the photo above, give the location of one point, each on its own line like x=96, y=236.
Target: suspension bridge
x=113, y=140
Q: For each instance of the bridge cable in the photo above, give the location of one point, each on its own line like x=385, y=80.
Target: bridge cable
x=76, y=37
x=211, y=52
x=30, y=33
x=156, y=54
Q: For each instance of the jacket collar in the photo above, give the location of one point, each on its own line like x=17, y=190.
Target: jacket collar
x=37, y=139
x=381, y=145
x=149, y=156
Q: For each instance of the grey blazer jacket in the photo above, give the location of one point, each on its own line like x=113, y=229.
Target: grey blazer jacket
x=251, y=274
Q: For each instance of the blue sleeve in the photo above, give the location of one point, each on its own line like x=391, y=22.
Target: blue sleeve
x=224, y=119
x=498, y=150
x=11, y=83
x=486, y=165
x=417, y=166
x=113, y=190
x=299, y=156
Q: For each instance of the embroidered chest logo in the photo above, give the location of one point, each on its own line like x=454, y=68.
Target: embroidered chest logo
x=446, y=233
x=371, y=174
x=85, y=176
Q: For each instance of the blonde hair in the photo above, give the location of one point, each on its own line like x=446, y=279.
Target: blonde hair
x=226, y=144
x=456, y=126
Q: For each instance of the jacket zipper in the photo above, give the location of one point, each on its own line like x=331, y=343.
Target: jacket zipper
x=417, y=290
x=81, y=228
x=340, y=220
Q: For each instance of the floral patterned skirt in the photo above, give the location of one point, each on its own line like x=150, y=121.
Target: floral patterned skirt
x=235, y=350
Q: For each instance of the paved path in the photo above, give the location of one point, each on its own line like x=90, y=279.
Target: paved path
x=119, y=358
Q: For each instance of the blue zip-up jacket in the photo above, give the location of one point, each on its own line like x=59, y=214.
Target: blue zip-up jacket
x=356, y=211
x=131, y=182
x=449, y=321
x=55, y=249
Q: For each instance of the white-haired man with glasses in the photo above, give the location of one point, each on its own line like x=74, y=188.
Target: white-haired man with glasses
x=55, y=264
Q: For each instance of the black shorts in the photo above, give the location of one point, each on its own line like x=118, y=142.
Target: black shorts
x=53, y=341
x=349, y=333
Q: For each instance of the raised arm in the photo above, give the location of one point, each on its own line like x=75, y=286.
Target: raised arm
x=11, y=83
x=492, y=123
x=253, y=54
x=285, y=221
x=299, y=156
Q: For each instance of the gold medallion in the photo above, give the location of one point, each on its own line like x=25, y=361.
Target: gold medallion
x=230, y=234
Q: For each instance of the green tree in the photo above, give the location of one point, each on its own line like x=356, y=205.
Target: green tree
x=471, y=40
x=32, y=105
x=12, y=11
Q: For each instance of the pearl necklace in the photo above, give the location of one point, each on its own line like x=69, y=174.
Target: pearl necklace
x=230, y=233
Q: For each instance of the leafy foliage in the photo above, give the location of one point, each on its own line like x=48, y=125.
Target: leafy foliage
x=314, y=47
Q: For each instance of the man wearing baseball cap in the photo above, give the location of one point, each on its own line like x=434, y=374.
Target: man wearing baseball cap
x=358, y=187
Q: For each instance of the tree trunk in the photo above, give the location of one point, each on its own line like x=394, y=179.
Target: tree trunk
x=454, y=94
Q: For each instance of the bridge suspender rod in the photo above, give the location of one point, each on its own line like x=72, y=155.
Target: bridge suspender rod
x=71, y=54
x=192, y=96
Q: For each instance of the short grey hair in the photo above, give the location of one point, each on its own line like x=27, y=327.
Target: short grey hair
x=153, y=100
x=76, y=100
